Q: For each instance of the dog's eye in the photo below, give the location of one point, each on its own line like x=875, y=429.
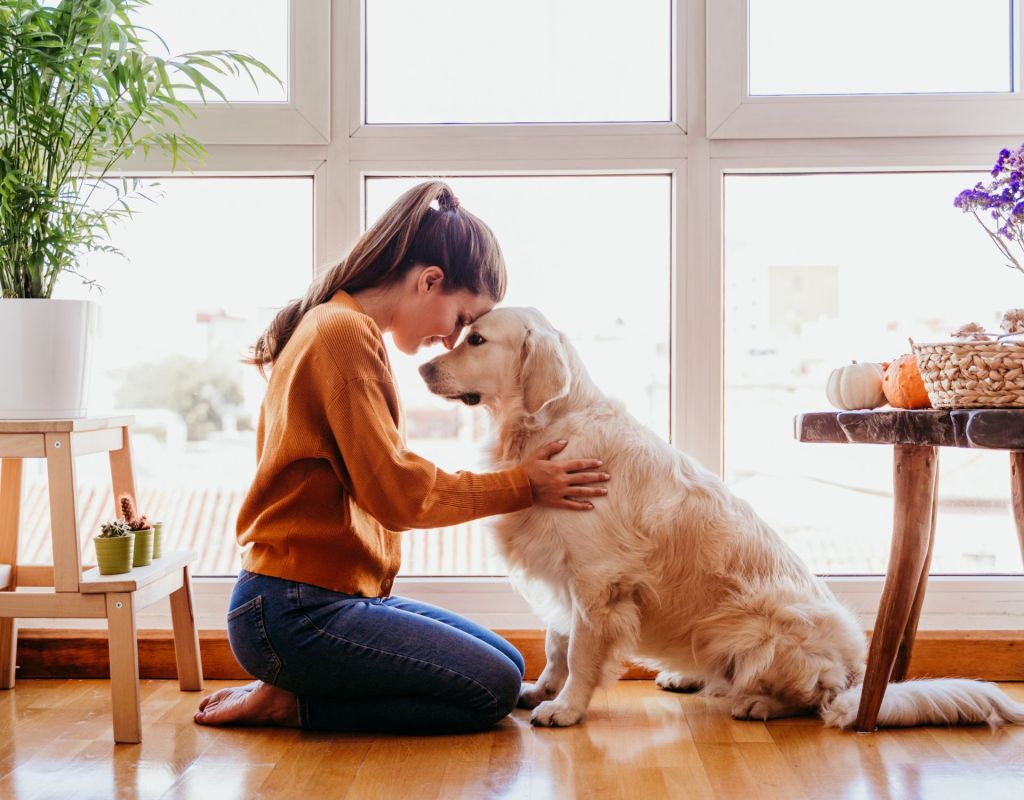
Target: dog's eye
x=475, y=340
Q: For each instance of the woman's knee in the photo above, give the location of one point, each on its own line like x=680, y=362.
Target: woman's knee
x=517, y=659
x=503, y=687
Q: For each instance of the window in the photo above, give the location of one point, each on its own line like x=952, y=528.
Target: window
x=819, y=273
x=804, y=69
x=527, y=61
x=712, y=222
x=256, y=27
x=292, y=37
x=593, y=254
x=916, y=46
x=209, y=264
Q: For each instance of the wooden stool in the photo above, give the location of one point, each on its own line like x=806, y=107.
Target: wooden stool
x=78, y=595
x=916, y=437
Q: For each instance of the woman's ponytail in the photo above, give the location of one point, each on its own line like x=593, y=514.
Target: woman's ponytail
x=410, y=232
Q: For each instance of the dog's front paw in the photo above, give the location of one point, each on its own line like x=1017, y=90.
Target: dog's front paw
x=554, y=714
x=678, y=682
x=762, y=707
x=750, y=708
x=533, y=694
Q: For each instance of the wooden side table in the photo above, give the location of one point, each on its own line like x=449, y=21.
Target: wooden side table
x=74, y=594
x=916, y=437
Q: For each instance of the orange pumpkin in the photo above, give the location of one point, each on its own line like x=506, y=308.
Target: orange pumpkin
x=902, y=384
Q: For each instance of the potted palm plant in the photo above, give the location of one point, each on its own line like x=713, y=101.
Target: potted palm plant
x=79, y=93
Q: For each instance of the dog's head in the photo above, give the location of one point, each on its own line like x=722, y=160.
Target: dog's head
x=510, y=358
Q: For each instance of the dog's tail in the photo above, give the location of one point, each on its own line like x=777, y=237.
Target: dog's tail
x=947, y=701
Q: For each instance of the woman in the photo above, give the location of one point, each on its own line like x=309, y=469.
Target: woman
x=312, y=615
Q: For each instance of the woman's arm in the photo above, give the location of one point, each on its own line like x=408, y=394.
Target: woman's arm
x=403, y=490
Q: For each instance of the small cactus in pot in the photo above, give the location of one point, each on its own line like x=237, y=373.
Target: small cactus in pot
x=115, y=547
x=114, y=530
x=139, y=524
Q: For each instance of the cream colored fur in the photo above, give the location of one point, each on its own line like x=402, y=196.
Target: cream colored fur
x=671, y=569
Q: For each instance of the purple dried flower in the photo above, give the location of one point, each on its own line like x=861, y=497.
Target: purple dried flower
x=1003, y=198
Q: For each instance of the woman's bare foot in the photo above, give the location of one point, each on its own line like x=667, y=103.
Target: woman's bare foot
x=258, y=703
x=221, y=692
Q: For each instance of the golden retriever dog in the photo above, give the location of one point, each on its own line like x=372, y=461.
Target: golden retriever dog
x=671, y=569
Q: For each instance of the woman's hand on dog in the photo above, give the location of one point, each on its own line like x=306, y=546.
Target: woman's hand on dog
x=563, y=484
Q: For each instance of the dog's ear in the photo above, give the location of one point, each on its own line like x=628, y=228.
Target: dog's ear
x=544, y=373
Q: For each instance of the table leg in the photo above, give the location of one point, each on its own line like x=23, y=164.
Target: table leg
x=186, y=638
x=1017, y=492
x=899, y=669
x=124, y=667
x=10, y=518
x=914, y=483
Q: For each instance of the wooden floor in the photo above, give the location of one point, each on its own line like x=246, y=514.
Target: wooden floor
x=638, y=742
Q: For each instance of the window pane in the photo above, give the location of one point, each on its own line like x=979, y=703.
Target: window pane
x=824, y=269
x=593, y=254
x=256, y=27
x=528, y=61
x=880, y=46
x=210, y=263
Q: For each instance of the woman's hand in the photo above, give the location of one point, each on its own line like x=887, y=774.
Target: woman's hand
x=563, y=484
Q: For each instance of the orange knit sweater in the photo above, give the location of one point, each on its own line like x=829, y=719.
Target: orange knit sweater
x=334, y=483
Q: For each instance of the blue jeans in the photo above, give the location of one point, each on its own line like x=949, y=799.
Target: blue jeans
x=369, y=664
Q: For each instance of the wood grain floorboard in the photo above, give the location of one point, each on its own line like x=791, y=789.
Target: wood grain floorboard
x=637, y=742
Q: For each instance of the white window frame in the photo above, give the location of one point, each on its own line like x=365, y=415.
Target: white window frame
x=304, y=118
x=733, y=113
x=698, y=163
x=953, y=603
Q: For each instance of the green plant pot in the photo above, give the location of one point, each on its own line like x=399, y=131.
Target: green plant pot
x=143, y=548
x=158, y=540
x=114, y=555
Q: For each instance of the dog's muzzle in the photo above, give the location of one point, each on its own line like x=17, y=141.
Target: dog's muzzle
x=428, y=372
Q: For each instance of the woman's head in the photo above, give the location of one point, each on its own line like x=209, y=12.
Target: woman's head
x=421, y=309
x=408, y=238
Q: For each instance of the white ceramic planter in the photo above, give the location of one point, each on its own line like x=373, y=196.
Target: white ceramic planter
x=45, y=354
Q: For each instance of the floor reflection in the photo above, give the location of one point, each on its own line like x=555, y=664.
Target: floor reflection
x=637, y=742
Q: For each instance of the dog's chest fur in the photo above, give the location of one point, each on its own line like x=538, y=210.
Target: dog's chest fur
x=568, y=551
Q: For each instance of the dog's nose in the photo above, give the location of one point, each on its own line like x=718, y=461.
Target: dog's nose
x=427, y=370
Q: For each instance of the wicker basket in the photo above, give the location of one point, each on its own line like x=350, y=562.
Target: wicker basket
x=973, y=374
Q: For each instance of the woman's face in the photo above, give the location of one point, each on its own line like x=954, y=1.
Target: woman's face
x=428, y=314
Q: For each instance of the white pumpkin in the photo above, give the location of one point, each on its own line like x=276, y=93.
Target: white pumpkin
x=856, y=386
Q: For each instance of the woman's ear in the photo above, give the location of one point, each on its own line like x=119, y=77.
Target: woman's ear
x=430, y=279
x=544, y=373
